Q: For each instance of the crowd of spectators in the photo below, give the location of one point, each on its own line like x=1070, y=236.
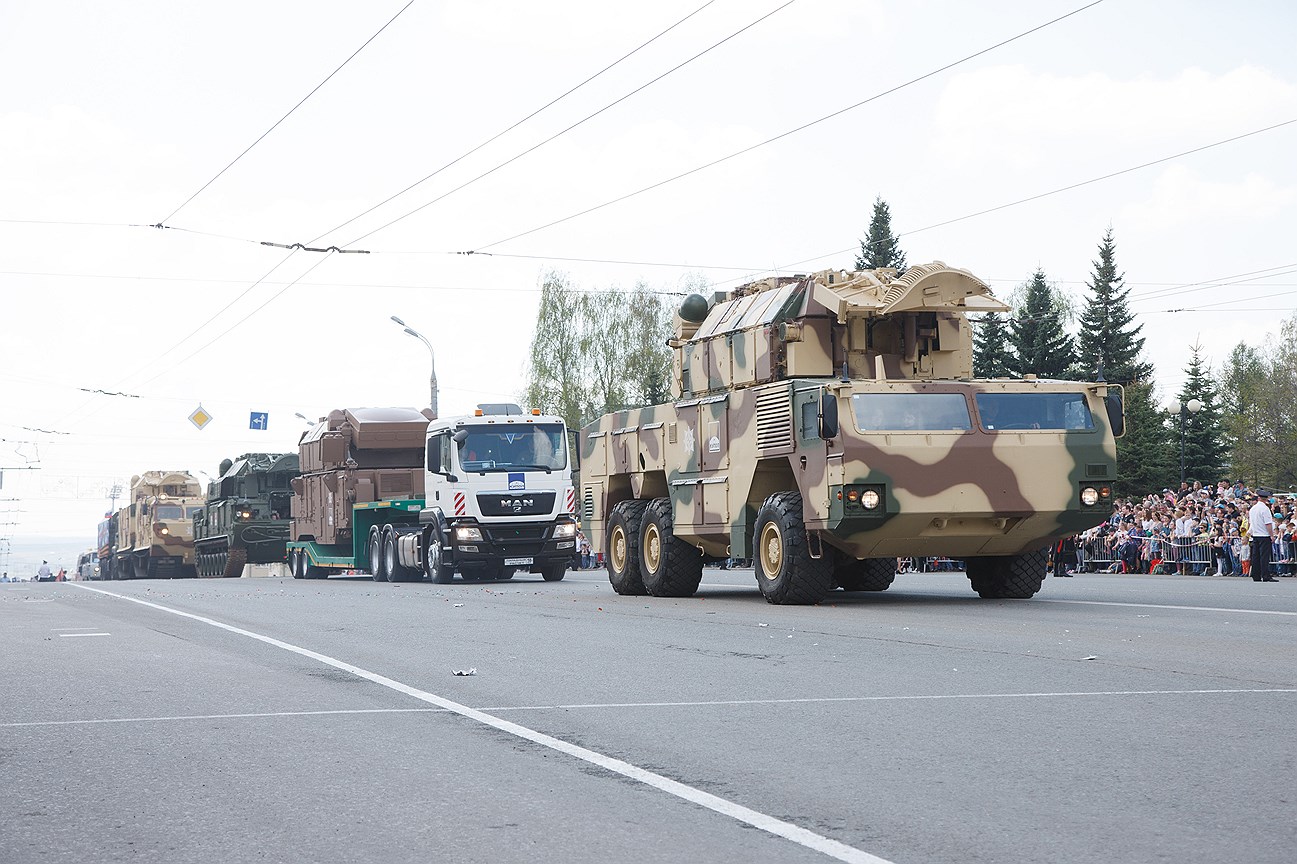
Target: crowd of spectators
x=1197, y=530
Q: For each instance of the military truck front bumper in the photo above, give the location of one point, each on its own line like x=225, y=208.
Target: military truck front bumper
x=512, y=544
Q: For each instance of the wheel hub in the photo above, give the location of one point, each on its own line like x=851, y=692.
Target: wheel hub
x=772, y=551
x=652, y=548
x=618, y=549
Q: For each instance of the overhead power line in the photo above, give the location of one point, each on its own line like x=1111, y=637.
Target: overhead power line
x=583, y=120
x=789, y=132
x=285, y=117
x=516, y=123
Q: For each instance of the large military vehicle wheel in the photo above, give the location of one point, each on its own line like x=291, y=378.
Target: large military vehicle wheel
x=374, y=548
x=785, y=570
x=621, y=547
x=396, y=571
x=869, y=574
x=433, y=564
x=1008, y=577
x=553, y=572
x=668, y=566
x=234, y=561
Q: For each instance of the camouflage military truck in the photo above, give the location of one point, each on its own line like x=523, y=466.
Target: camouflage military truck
x=824, y=425
x=155, y=532
x=247, y=515
x=362, y=468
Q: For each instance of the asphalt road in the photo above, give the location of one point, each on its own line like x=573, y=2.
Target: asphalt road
x=1112, y=718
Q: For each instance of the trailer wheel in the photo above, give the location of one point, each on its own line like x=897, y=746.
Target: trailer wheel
x=295, y=564
x=375, y=550
x=554, y=572
x=621, y=548
x=1008, y=577
x=869, y=574
x=668, y=566
x=436, y=568
x=785, y=570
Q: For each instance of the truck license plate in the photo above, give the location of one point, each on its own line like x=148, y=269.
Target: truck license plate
x=511, y=562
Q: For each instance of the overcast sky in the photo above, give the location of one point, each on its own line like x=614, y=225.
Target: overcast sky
x=114, y=114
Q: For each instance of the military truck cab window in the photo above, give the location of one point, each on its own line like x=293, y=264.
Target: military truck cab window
x=164, y=511
x=537, y=446
x=911, y=412
x=1002, y=412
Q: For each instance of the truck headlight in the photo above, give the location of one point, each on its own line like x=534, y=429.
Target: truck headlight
x=869, y=499
x=468, y=534
x=1089, y=496
x=564, y=530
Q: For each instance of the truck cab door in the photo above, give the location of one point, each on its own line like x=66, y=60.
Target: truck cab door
x=440, y=467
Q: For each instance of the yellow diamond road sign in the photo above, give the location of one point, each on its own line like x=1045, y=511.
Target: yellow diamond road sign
x=200, y=417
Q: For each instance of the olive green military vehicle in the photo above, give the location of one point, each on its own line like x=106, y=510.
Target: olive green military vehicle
x=825, y=425
x=155, y=532
x=247, y=515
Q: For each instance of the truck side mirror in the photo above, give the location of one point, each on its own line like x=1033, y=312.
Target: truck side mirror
x=1116, y=413
x=434, y=455
x=460, y=436
x=828, y=415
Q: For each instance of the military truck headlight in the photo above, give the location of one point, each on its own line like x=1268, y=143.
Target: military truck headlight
x=163, y=530
x=564, y=530
x=245, y=514
x=1089, y=496
x=467, y=534
x=869, y=499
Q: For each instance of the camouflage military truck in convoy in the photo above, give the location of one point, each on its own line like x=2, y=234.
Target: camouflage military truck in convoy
x=824, y=425
x=155, y=531
x=107, y=543
x=247, y=515
x=408, y=496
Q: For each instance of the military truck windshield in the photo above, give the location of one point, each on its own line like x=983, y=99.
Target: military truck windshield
x=166, y=511
x=537, y=447
x=911, y=412
x=1012, y=411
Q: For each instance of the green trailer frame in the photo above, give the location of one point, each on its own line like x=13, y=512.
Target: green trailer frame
x=336, y=556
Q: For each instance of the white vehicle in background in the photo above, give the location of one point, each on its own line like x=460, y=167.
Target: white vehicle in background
x=87, y=566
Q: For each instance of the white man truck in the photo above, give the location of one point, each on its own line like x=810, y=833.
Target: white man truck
x=496, y=497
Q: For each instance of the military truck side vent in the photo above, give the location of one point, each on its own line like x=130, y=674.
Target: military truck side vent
x=774, y=419
x=587, y=505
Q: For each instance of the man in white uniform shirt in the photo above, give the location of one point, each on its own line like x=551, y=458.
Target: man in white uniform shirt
x=1261, y=524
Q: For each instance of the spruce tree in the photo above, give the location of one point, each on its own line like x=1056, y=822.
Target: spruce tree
x=1037, y=335
x=1108, y=335
x=992, y=354
x=1204, y=433
x=1146, y=458
x=880, y=248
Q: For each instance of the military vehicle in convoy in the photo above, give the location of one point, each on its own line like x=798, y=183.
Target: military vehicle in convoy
x=824, y=425
x=155, y=531
x=107, y=547
x=361, y=468
x=406, y=496
x=247, y=516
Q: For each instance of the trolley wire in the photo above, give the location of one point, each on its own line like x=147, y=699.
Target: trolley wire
x=282, y=119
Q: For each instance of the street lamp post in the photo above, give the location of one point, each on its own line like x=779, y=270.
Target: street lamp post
x=1175, y=406
x=432, y=379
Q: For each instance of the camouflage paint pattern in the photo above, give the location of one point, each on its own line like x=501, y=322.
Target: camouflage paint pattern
x=142, y=534
x=750, y=382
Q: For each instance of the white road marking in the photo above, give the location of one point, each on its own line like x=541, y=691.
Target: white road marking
x=70, y=635
x=1167, y=606
x=221, y=717
x=778, y=827
x=70, y=629
x=815, y=699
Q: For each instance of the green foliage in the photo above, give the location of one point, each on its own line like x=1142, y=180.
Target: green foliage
x=1258, y=390
x=880, y=248
x=597, y=351
x=1146, y=460
x=992, y=354
x=1107, y=333
x=1037, y=333
x=1204, y=434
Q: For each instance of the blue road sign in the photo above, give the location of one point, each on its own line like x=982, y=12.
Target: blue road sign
x=259, y=420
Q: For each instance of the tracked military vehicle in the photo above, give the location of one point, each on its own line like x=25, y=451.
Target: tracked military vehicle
x=824, y=425
x=246, y=518
x=155, y=532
